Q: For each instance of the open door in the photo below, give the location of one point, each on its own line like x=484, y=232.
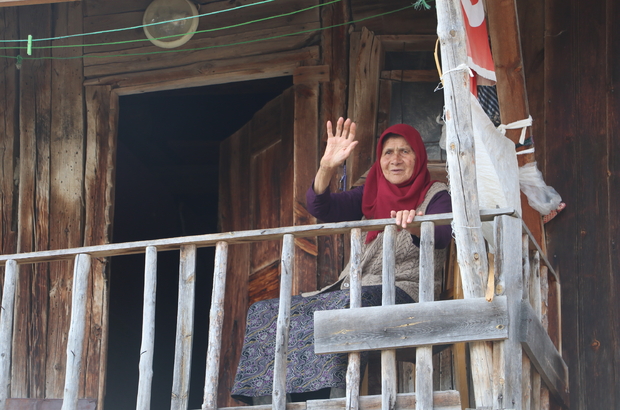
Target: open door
x=265, y=168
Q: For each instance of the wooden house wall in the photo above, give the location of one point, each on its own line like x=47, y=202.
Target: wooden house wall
x=572, y=67
x=51, y=196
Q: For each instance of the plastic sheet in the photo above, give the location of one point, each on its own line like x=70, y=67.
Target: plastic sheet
x=540, y=196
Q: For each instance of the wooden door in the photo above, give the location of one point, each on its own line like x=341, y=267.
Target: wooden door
x=265, y=168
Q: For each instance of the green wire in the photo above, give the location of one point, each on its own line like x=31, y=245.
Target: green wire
x=177, y=35
x=215, y=46
x=141, y=26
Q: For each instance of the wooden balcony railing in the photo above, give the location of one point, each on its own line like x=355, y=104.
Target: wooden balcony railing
x=513, y=319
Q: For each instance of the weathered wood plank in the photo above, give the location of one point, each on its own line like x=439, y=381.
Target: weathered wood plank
x=471, y=250
x=284, y=315
x=136, y=40
x=9, y=144
x=30, y=368
x=234, y=237
x=526, y=272
x=429, y=76
x=409, y=21
x=216, y=320
x=47, y=404
x=101, y=117
x=353, y=368
x=147, y=345
x=75, y=339
x=417, y=324
x=442, y=400
x=311, y=75
x=507, y=354
x=388, y=298
x=211, y=72
x=363, y=106
x=333, y=98
x=233, y=196
x=424, y=354
x=305, y=131
x=543, y=354
x=408, y=42
x=66, y=184
x=511, y=91
x=185, y=328
x=127, y=61
x=11, y=276
x=11, y=3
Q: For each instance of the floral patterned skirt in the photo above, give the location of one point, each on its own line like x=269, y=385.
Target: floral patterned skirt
x=306, y=371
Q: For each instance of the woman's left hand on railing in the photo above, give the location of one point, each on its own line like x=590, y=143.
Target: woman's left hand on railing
x=405, y=217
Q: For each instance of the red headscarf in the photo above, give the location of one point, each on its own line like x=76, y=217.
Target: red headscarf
x=381, y=196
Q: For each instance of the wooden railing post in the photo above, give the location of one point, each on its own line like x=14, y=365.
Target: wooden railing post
x=11, y=273
x=185, y=328
x=216, y=321
x=424, y=354
x=507, y=355
x=75, y=342
x=388, y=357
x=353, y=368
x=148, y=330
x=284, y=316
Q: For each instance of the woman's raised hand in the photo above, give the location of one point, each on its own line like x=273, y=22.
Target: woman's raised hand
x=339, y=144
x=339, y=147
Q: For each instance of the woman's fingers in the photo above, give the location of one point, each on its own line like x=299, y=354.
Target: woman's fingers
x=405, y=217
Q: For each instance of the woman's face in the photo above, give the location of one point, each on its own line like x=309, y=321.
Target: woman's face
x=397, y=160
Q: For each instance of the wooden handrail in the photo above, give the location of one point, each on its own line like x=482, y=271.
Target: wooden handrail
x=232, y=238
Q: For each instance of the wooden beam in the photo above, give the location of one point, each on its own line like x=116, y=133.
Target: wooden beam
x=416, y=324
x=411, y=75
x=232, y=238
x=10, y=3
x=442, y=400
x=470, y=244
x=511, y=91
x=543, y=354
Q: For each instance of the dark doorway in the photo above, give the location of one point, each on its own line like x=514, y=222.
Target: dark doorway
x=167, y=186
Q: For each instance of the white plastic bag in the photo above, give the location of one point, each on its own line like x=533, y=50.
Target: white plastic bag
x=540, y=196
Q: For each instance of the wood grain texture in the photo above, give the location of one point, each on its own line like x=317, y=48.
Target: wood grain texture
x=397, y=326
x=540, y=349
x=185, y=328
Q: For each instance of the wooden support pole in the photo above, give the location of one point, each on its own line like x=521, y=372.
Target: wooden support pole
x=216, y=323
x=507, y=354
x=526, y=378
x=75, y=339
x=424, y=354
x=185, y=328
x=388, y=357
x=11, y=273
x=148, y=330
x=353, y=369
x=471, y=250
x=284, y=312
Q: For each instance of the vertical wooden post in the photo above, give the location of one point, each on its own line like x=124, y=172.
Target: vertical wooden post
x=526, y=384
x=507, y=354
x=424, y=354
x=471, y=250
x=148, y=330
x=388, y=357
x=75, y=342
x=284, y=312
x=536, y=302
x=185, y=328
x=6, y=329
x=216, y=321
x=355, y=289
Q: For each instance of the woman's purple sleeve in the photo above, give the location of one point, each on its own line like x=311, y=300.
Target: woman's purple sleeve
x=335, y=207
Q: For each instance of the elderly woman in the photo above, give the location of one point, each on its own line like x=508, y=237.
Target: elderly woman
x=399, y=186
